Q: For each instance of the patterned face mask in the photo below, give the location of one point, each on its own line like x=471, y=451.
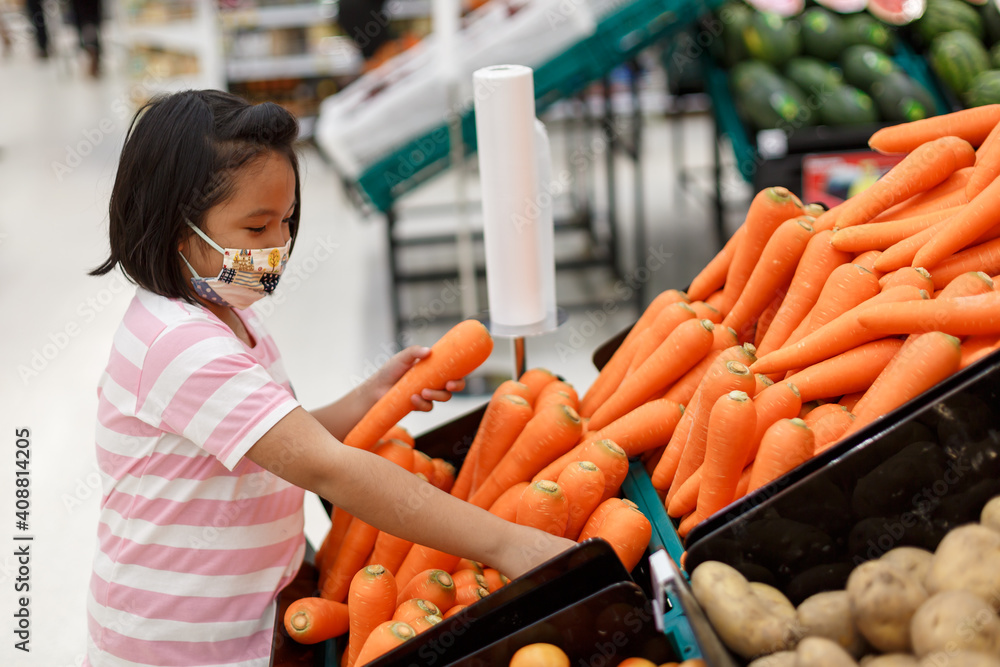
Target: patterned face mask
x=247, y=274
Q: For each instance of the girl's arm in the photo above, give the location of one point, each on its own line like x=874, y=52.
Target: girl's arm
x=300, y=450
x=340, y=417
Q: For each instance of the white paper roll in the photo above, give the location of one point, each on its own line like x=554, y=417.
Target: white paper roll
x=518, y=241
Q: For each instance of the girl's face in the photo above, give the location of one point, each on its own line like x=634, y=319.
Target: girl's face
x=257, y=215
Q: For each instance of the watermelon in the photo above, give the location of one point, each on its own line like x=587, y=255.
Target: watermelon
x=772, y=39
x=730, y=49
x=984, y=89
x=846, y=105
x=865, y=65
x=897, y=12
x=899, y=99
x=947, y=15
x=957, y=57
x=991, y=22
x=813, y=74
x=995, y=56
x=823, y=33
x=863, y=29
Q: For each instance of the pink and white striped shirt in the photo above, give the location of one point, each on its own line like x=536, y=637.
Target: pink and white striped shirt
x=194, y=540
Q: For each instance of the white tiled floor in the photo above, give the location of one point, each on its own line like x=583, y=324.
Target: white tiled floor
x=59, y=138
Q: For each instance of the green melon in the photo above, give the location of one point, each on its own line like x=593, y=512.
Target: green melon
x=772, y=39
x=984, y=89
x=957, y=57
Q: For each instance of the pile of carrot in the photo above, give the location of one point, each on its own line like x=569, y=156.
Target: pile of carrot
x=809, y=324
x=530, y=462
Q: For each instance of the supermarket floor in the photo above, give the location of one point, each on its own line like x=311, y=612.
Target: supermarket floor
x=59, y=138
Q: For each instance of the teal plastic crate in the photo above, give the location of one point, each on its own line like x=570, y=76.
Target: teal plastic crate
x=618, y=37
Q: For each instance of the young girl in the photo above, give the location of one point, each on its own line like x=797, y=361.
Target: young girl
x=204, y=449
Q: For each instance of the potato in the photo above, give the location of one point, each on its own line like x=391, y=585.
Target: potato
x=890, y=660
x=960, y=659
x=779, y=659
x=990, y=516
x=883, y=599
x=773, y=599
x=822, y=652
x=829, y=615
x=914, y=560
x=749, y=624
x=968, y=558
x=955, y=621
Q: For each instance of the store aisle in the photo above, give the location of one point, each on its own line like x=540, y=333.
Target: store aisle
x=59, y=139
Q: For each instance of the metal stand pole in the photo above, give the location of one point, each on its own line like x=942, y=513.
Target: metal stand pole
x=520, y=360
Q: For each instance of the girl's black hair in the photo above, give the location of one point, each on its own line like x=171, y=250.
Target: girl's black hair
x=180, y=158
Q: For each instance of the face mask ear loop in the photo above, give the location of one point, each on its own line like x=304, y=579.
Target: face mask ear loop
x=194, y=273
x=204, y=237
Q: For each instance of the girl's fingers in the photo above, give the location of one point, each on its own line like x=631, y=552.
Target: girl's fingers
x=439, y=395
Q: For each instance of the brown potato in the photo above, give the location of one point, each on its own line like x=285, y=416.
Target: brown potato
x=968, y=558
x=774, y=599
x=914, y=560
x=990, y=516
x=822, y=652
x=883, y=599
x=955, y=621
x=960, y=659
x=779, y=659
x=890, y=660
x=829, y=615
x=751, y=625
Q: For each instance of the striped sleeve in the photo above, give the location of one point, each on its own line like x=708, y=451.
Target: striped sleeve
x=199, y=381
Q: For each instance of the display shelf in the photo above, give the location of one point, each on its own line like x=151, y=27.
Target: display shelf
x=306, y=65
x=278, y=16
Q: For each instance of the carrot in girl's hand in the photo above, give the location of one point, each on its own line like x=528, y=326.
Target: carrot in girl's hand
x=984, y=257
x=505, y=506
x=415, y=608
x=583, y=484
x=848, y=286
x=713, y=275
x=768, y=209
x=456, y=354
x=973, y=125
x=829, y=429
x=882, y=235
x=676, y=355
x=847, y=372
x=926, y=166
x=503, y=420
x=383, y=638
x=543, y=505
x=773, y=271
x=535, y=380
x=818, y=261
x=969, y=283
x=616, y=367
x=311, y=620
x=924, y=360
x=371, y=601
x=650, y=339
x=786, y=444
x=547, y=436
x=958, y=316
x=434, y=585
x=351, y=557
x=628, y=531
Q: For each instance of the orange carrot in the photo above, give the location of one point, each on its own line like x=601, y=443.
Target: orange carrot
x=547, y=436
x=371, y=601
x=468, y=595
x=924, y=361
x=397, y=432
x=774, y=269
x=848, y=286
x=744, y=482
x=559, y=391
x=396, y=451
x=948, y=194
x=616, y=367
x=847, y=372
x=535, y=379
x=310, y=620
x=987, y=164
x=761, y=382
x=973, y=220
x=839, y=335
x=340, y=521
x=456, y=354
x=915, y=276
x=422, y=559
x=424, y=623
x=973, y=125
x=443, y=474
x=414, y=608
x=716, y=298
x=582, y=483
x=782, y=400
x=926, y=166
x=423, y=464
x=983, y=257
x=543, y=505
x=821, y=412
x=454, y=610
x=850, y=400
x=681, y=391
x=647, y=426
x=685, y=501
x=665, y=323
x=786, y=444
x=467, y=577
x=902, y=253
x=494, y=579
x=628, y=531
x=818, y=261
x=882, y=235
x=597, y=518
x=975, y=348
x=731, y=376
x=713, y=276
x=969, y=283
x=612, y=461
x=830, y=428
x=958, y=316
x=383, y=638
x=505, y=506
x=503, y=420
x=353, y=554
x=389, y=551
x=434, y=585
x=706, y=311
x=731, y=426
x=676, y=355
x=766, y=317
x=768, y=209
x=866, y=260
x=468, y=564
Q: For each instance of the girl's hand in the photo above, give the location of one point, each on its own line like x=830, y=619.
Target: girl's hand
x=389, y=374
